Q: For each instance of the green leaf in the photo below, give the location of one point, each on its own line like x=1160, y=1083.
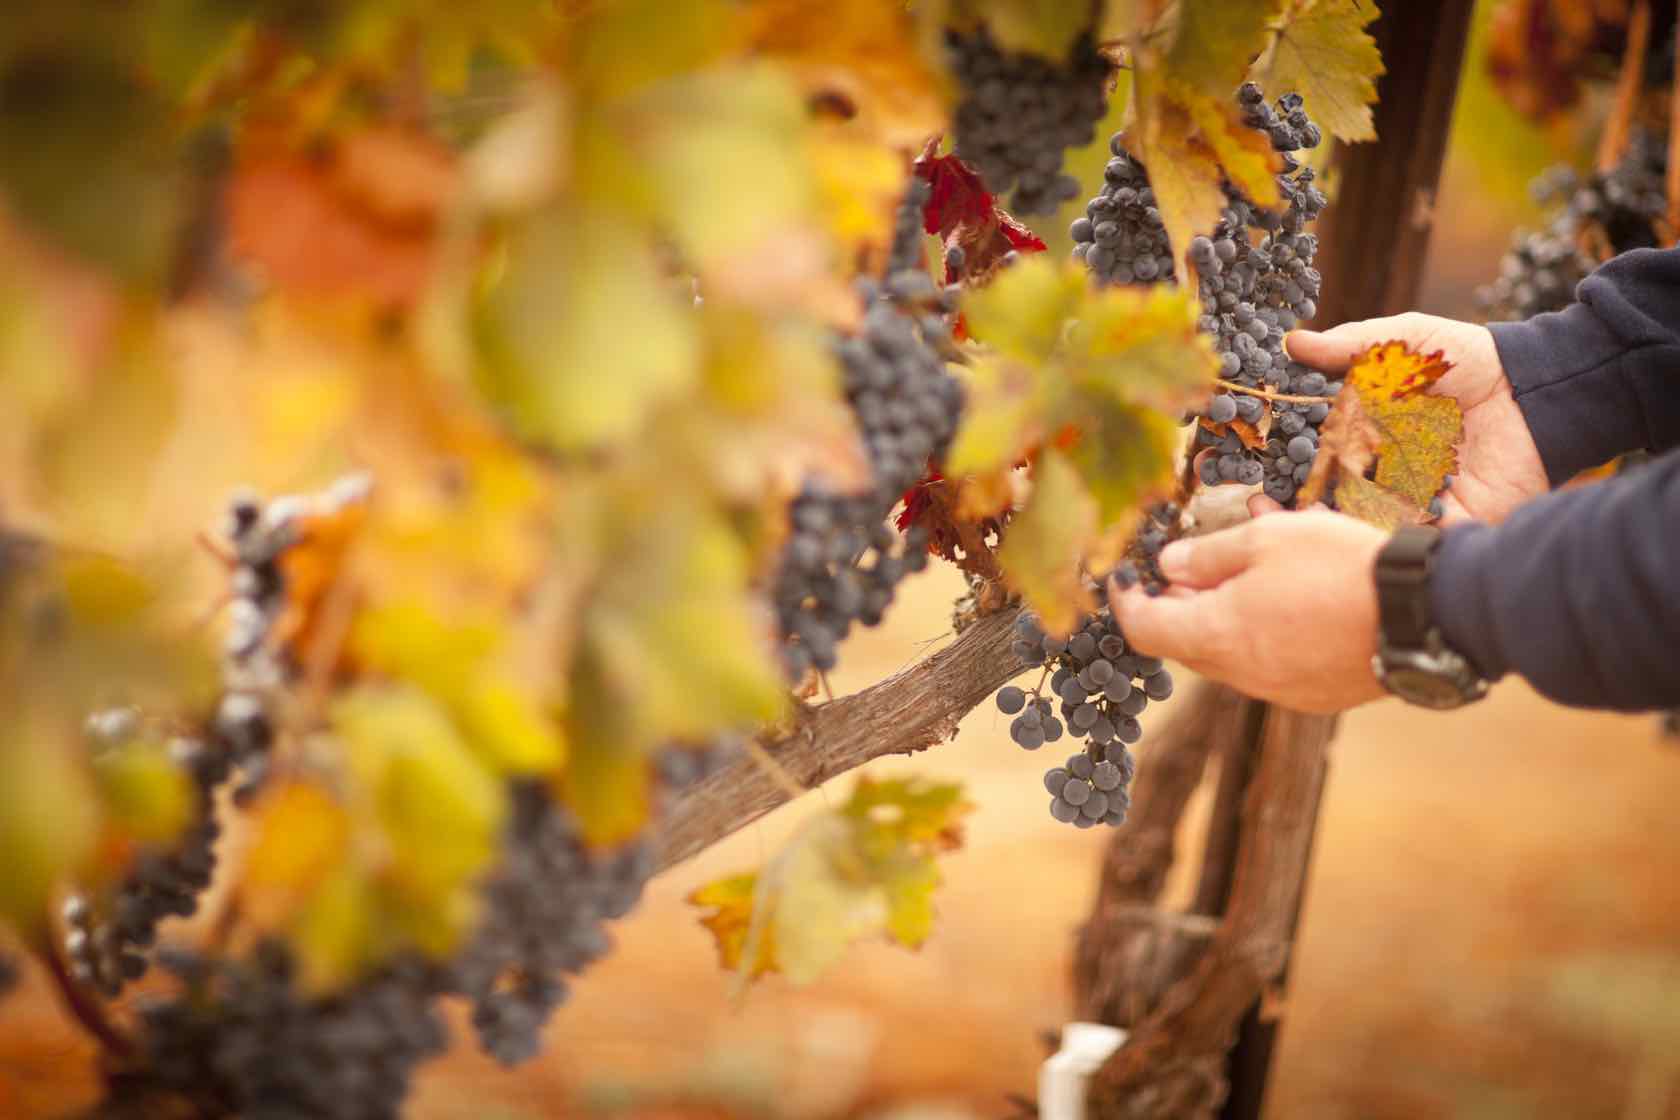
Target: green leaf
x=746, y=127
x=1323, y=52
x=438, y=810
x=583, y=336
x=1045, y=542
x=1047, y=30
x=670, y=632
x=862, y=870
x=48, y=821
x=143, y=793
x=503, y=718
x=1217, y=39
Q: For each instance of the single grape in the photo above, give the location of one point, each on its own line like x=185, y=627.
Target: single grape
x=1077, y=791
x=1011, y=699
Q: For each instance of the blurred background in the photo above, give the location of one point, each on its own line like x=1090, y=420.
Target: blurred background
x=1492, y=924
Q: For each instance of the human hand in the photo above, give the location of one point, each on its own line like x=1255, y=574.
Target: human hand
x=1282, y=607
x=1499, y=467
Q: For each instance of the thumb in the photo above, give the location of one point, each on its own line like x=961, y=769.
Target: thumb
x=1203, y=562
x=1334, y=350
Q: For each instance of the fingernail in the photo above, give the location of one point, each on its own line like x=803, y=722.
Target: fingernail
x=1175, y=560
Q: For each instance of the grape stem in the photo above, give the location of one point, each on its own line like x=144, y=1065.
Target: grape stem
x=1267, y=394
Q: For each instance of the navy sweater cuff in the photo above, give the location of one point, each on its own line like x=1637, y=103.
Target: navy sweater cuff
x=1461, y=605
x=1567, y=374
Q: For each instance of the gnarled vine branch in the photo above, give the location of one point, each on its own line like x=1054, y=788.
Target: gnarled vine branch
x=909, y=711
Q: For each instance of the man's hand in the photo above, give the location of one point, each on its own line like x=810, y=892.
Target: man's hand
x=1499, y=466
x=1282, y=608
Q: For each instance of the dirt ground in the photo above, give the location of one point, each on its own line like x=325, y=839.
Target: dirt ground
x=1492, y=930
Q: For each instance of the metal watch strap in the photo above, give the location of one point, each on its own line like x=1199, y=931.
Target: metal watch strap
x=1402, y=577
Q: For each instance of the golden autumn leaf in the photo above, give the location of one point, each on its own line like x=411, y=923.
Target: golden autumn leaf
x=1045, y=542
x=1217, y=39
x=864, y=869
x=1323, y=52
x=1357, y=496
x=1384, y=417
x=865, y=54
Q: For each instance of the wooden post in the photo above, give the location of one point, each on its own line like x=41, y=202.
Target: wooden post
x=1384, y=212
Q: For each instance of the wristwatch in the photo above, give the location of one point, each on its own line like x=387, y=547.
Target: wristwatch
x=1412, y=660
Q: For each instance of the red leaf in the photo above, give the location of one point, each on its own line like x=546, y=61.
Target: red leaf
x=961, y=212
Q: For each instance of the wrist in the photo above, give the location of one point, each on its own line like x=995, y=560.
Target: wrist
x=1413, y=660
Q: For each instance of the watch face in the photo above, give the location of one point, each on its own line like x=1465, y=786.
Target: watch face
x=1426, y=689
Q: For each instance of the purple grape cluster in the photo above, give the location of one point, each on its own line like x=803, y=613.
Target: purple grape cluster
x=1095, y=688
x=1625, y=203
x=1020, y=112
x=842, y=561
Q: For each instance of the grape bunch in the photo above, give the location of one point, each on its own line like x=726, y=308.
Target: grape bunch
x=243, y=1039
x=1019, y=113
x=843, y=561
x=1095, y=688
x=544, y=912
x=1162, y=522
x=1619, y=207
x=1256, y=280
x=106, y=936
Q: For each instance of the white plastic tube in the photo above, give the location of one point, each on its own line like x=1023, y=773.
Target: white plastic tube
x=1062, y=1077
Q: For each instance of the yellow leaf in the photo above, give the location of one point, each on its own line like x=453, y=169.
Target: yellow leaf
x=862, y=870
x=1044, y=29
x=1357, y=496
x=1126, y=457
x=584, y=337
x=864, y=52
x=1244, y=153
x=1323, y=52
x=626, y=46
x=143, y=792
x=721, y=152
x=898, y=812
x=1217, y=39
x=437, y=810
x=1418, y=432
x=1045, y=542
x=1183, y=168
x=730, y=901
x=606, y=780
x=47, y=821
x=820, y=906
x=1384, y=416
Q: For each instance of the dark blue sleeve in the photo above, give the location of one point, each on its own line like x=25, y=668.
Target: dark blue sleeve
x=1578, y=591
x=1602, y=376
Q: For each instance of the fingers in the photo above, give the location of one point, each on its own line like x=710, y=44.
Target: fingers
x=1259, y=505
x=1201, y=562
x=1178, y=625
x=1334, y=350
x=1452, y=510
